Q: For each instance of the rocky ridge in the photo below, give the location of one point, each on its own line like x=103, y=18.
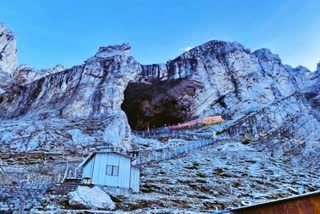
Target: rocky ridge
x=25, y=74
x=67, y=113
x=275, y=105
x=262, y=98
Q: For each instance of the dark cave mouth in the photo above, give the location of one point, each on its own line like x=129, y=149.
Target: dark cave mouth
x=150, y=106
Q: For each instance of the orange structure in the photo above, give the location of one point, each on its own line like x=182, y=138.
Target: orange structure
x=212, y=120
x=206, y=121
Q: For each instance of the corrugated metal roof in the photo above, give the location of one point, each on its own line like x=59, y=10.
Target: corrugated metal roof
x=94, y=153
x=278, y=200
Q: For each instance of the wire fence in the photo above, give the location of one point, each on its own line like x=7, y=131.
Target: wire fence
x=166, y=132
x=195, y=140
x=142, y=157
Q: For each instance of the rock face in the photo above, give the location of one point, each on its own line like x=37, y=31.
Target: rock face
x=217, y=78
x=114, y=50
x=8, y=58
x=8, y=51
x=92, y=91
x=25, y=74
x=264, y=100
x=90, y=198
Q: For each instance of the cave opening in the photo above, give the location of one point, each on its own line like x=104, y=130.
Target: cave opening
x=156, y=104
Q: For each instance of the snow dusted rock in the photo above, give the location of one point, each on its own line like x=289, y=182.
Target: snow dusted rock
x=58, y=68
x=25, y=74
x=8, y=58
x=263, y=98
x=89, y=90
x=102, y=84
x=8, y=51
x=303, y=77
x=6, y=80
x=216, y=78
x=93, y=91
x=112, y=50
x=90, y=198
x=318, y=69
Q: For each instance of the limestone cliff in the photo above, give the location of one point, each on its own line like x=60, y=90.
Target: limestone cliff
x=63, y=105
x=261, y=98
x=264, y=101
x=8, y=58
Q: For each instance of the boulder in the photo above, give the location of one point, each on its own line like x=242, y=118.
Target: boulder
x=85, y=197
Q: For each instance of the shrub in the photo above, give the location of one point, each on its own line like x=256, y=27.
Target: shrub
x=246, y=141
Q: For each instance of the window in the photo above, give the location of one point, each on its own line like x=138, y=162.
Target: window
x=112, y=170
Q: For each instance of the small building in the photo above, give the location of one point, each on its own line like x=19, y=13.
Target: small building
x=113, y=170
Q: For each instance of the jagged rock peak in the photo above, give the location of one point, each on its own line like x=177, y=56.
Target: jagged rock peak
x=8, y=51
x=59, y=68
x=25, y=74
x=113, y=50
x=185, y=64
x=110, y=51
x=4, y=29
x=216, y=47
x=56, y=68
x=301, y=69
x=266, y=55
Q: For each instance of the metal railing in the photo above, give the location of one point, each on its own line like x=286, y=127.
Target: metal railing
x=142, y=157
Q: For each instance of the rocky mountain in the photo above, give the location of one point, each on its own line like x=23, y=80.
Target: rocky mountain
x=275, y=105
x=262, y=98
x=220, y=78
x=66, y=113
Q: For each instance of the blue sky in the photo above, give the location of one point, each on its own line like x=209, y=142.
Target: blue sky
x=50, y=32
